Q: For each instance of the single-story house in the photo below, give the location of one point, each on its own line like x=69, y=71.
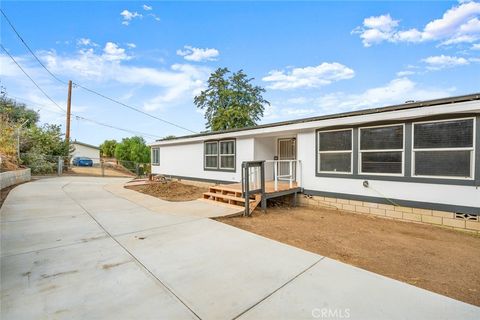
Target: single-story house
x=419, y=157
x=86, y=150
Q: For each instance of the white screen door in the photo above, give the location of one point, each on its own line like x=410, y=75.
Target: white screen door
x=287, y=150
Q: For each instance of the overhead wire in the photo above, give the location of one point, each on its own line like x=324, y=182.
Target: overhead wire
x=86, y=88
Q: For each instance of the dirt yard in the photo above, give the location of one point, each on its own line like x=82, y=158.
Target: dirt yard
x=436, y=259
x=171, y=191
x=97, y=171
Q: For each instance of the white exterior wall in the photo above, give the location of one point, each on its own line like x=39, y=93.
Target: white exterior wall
x=411, y=191
x=84, y=151
x=186, y=160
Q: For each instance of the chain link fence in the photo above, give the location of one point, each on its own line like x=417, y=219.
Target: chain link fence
x=42, y=164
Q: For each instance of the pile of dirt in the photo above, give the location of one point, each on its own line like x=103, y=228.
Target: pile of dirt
x=8, y=163
x=429, y=257
x=171, y=191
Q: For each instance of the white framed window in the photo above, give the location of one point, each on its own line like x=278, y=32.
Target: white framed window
x=211, y=155
x=444, y=149
x=335, y=151
x=382, y=150
x=227, y=154
x=155, y=156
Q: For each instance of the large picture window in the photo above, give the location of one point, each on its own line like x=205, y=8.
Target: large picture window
x=220, y=155
x=444, y=148
x=335, y=151
x=381, y=150
x=155, y=156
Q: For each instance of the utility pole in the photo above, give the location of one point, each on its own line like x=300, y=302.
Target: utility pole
x=67, y=128
x=69, y=106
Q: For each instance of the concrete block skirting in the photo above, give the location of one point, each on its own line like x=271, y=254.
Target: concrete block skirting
x=408, y=214
x=10, y=178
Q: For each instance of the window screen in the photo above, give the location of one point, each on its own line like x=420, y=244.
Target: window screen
x=227, y=154
x=444, y=134
x=443, y=148
x=335, y=151
x=381, y=138
x=155, y=156
x=381, y=150
x=382, y=162
x=211, y=155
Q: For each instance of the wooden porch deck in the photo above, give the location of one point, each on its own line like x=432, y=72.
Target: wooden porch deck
x=269, y=187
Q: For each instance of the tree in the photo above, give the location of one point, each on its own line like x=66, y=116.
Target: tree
x=18, y=112
x=133, y=149
x=170, y=137
x=231, y=101
x=107, y=148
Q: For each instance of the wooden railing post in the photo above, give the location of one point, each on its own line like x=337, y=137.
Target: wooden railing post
x=262, y=183
x=247, y=189
x=290, y=164
x=275, y=173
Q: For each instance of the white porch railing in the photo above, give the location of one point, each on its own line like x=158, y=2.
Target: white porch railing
x=286, y=170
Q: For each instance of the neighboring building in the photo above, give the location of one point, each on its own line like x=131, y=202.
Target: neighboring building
x=86, y=150
x=416, y=155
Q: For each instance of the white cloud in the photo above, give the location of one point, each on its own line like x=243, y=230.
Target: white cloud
x=86, y=42
x=308, y=77
x=443, y=61
x=476, y=46
x=147, y=7
x=112, y=52
x=105, y=70
x=198, y=54
x=131, y=45
x=459, y=24
x=154, y=16
x=128, y=16
x=397, y=91
x=405, y=73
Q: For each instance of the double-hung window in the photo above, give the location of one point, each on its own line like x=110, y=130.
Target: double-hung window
x=227, y=154
x=444, y=149
x=335, y=151
x=381, y=150
x=155, y=156
x=211, y=155
x=220, y=155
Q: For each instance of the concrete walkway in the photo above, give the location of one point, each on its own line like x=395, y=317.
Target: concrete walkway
x=82, y=248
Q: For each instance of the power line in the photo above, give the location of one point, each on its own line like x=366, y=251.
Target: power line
x=31, y=79
x=31, y=51
x=86, y=119
x=87, y=89
x=132, y=108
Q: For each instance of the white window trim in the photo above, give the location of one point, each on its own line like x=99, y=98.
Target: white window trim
x=226, y=155
x=360, y=151
x=472, y=149
x=335, y=151
x=157, y=162
x=210, y=155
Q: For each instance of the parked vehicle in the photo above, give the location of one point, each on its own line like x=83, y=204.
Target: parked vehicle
x=82, y=162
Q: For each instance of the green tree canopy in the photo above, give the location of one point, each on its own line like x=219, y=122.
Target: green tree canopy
x=17, y=112
x=133, y=149
x=107, y=148
x=231, y=101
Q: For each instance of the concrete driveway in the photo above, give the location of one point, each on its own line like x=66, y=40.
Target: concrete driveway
x=84, y=248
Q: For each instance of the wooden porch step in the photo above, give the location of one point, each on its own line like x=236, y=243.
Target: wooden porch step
x=216, y=196
x=226, y=189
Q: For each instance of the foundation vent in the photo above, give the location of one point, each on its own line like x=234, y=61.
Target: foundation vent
x=466, y=216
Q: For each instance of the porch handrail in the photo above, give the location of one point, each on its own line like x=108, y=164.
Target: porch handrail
x=290, y=177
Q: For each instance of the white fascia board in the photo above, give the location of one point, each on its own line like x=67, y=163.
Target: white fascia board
x=449, y=108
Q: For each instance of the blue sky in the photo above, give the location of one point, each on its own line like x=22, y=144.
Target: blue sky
x=313, y=58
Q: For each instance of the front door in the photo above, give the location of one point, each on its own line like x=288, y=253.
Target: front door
x=286, y=150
